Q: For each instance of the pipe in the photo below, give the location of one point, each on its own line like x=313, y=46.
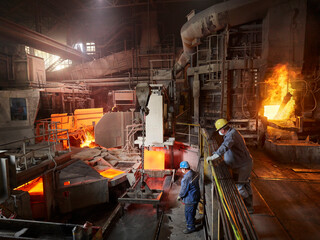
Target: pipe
x=98, y=80
x=118, y=84
x=217, y=17
x=23, y=35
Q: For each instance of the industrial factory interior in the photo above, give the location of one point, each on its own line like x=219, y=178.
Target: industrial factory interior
x=108, y=106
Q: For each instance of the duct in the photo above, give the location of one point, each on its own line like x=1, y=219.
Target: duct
x=98, y=80
x=128, y=83
x=107, y=82
x=99, y=68
x=217, y=17
x=23, y=35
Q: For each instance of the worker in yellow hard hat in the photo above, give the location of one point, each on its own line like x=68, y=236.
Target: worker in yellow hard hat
x=237, y=157
x=114, y=109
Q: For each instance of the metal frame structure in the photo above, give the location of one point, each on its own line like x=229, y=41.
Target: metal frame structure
x=52, y=140
x=225, y=80
x=140, y=192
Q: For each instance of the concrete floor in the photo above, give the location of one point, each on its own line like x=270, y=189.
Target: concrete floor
x=140, y=221
x=286, y=206
x=174, y=220
x=286, y=202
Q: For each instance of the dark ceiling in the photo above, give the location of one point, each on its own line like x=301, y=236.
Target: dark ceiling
x=92, y=20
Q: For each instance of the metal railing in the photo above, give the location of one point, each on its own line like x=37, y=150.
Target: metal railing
x=189, y=134
x=52, y=138
x=234, y=221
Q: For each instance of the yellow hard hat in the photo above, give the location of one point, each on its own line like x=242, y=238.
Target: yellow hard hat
x=220, y=123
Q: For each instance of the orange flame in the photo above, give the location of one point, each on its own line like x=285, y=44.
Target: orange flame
x=89, y=140
x=277, y=87
x=154, y=159
x=34, y=187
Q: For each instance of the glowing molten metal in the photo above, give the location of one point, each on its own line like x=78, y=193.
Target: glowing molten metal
x=110, y=173
x=154, y=159
x=279, y=104
x=34, y=187
x=270, y=111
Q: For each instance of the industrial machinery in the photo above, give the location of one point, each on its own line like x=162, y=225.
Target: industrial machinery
x=151, y=109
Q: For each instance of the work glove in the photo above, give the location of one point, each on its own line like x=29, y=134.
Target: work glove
x=213, y=157
x=178, y=198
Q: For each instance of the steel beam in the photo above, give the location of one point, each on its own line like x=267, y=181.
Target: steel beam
x=22, y=35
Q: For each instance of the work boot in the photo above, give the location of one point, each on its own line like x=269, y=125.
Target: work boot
x=249, y=204
x=187, y=231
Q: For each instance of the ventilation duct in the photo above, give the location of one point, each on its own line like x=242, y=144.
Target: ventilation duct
x=217, y=17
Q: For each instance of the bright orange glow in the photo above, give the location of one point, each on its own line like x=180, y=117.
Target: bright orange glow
x=111, y=173
x=154, y=159
x=66, y=183
x=65, y=144
x=277, y=87
x=270, y=111
x=34, y=187
x=88, y=141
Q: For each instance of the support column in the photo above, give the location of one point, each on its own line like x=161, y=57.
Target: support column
x=196, y=96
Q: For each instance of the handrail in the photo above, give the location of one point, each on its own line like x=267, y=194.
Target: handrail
x=189, y=131
x=188, y=124
x=52, y=140
x=26, y=139
x=231, y=206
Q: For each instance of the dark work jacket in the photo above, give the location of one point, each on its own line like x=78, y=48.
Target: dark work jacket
x=190, y=190
x=234, y=150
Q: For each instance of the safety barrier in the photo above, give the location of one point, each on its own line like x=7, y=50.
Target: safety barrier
x=195, y=128
x=52, y=137
x=234, y=221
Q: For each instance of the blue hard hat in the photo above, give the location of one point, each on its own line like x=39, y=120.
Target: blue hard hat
x=184, y=164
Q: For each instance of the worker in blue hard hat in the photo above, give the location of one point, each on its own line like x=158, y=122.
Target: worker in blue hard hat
x=190, y=195
x=237, y=157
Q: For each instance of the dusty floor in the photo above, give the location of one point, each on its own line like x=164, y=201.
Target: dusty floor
x=174, y=220
x=140, y=221
x=286, y=204
x=286, y=201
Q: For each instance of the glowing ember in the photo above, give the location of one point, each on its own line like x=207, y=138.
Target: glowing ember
x=111, y=173
x=66, y=183
x=279, y=104
x=34, y=187
x=89, y=140
x=154, y=159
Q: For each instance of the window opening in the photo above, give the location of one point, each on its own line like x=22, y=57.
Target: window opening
x=18, y=109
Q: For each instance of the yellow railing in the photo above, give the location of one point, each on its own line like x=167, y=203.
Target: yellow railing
x=189, y=134
x=232, y=208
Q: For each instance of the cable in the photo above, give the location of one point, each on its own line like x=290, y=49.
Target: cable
x=229, y=214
